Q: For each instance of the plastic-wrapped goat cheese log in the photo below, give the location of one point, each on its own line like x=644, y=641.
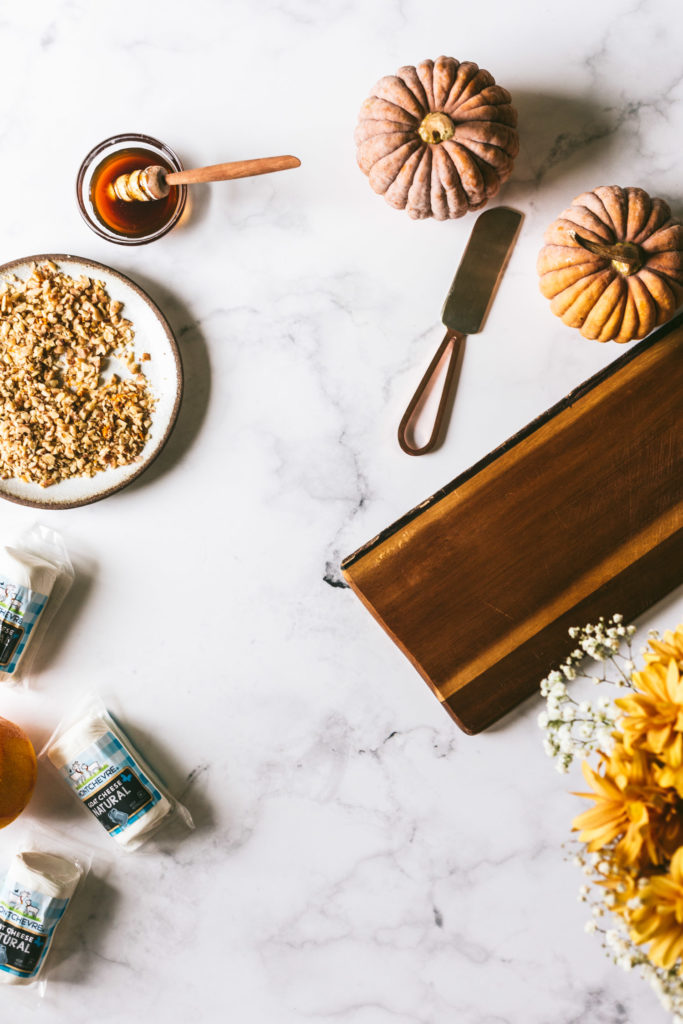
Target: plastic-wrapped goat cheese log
x=110, y=778
x=35, y=574
x=33, y=899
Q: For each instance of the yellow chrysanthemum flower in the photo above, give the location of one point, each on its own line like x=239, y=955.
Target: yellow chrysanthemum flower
x=653, y=714
x=630, y=807
x=669, y=775
x=659, y=918
x=667, y=647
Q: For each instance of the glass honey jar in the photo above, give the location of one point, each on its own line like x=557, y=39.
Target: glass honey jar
x=125, y=223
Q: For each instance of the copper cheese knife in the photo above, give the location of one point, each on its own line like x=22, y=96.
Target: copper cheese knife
x=464, y=312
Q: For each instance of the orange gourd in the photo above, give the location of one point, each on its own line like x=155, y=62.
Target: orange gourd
x=18, y=770
x=612, y=264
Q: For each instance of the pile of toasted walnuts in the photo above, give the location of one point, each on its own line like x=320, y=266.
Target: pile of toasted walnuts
x=61, y=416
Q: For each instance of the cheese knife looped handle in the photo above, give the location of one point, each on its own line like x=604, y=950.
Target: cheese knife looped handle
x=453, y=340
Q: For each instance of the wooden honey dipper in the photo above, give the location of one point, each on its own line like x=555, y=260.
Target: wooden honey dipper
x=155, y=182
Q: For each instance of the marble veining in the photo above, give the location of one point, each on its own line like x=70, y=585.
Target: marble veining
x=356, y=859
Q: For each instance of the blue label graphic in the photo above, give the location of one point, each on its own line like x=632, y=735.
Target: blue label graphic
x=27, y=922
x=20, y=609
x=111, y=784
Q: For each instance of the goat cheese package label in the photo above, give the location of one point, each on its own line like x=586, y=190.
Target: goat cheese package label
x=27, y=921
x=111, y=784
x=20, y=609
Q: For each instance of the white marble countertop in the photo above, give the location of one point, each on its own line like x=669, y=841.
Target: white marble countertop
x=357, y=859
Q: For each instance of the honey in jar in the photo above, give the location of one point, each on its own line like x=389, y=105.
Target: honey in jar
x=133, y=219
x=18, y=770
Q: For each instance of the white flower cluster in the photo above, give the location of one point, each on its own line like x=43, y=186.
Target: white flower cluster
x=578, y=727
x=617, y=943
x=668, y=984
x=602, y=641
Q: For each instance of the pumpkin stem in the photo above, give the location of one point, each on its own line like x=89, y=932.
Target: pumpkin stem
x=626, y=257
x=436, y=127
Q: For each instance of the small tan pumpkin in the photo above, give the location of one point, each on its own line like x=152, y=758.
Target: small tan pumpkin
x=613, y=264
x=438, y=139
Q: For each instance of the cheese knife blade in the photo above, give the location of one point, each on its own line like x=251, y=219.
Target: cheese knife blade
x=481, y=268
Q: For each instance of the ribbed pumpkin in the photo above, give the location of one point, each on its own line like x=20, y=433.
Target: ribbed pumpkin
x=613, y=264
x=438, y=139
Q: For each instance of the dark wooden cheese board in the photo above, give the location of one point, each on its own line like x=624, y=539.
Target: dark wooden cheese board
x=578, y=515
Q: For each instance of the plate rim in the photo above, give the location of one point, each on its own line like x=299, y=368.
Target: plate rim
x=6, y=268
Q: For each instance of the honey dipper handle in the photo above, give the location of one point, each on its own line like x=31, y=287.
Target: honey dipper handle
x=236, y=169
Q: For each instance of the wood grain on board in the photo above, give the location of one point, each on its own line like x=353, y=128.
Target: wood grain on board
x=578, y=515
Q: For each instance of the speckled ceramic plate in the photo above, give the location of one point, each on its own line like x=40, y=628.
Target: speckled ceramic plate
x=164, y=372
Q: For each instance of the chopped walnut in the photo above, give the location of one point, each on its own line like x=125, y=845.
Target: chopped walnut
x=60, y=416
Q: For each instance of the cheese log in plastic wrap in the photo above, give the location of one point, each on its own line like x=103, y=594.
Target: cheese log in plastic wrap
x=26, y=581
x=110, y=778
x=33, y=899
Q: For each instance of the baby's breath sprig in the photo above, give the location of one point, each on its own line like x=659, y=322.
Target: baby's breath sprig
x=579, y=727
x=614, y=936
